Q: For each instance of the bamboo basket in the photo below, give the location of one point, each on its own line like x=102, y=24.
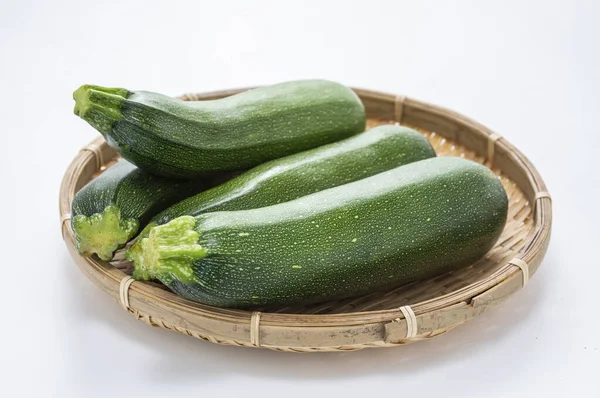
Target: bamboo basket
x=409, y=313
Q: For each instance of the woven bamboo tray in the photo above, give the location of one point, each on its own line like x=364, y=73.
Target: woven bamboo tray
x=413, y=312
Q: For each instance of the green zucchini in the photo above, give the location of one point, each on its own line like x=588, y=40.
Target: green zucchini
x=379, y=149
x=109, y=210
x=179, y=139
x=411, y=222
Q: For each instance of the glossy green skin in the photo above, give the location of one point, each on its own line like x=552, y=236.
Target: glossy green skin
x=180, y=139
x=415, y=221
x=135, y=196
x=379, y=149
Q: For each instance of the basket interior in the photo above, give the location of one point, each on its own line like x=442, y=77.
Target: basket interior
x=513, y=239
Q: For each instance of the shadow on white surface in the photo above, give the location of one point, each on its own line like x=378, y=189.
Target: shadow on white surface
x=182, y=358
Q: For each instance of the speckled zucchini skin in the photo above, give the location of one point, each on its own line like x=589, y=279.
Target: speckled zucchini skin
x=412, y=222
x=170, y=137
x=379, y=149
x=132, y=197
x=280, y=180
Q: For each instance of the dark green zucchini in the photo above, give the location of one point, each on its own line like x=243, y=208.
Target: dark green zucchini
x=412, y=222
x=109, y=210
x=379, y=149
x=179, y=139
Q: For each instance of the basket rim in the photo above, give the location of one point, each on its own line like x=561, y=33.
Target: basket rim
x=482, y=291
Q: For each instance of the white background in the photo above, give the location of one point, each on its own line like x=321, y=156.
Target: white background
x=529, y=70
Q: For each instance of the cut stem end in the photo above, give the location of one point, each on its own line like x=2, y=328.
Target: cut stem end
x=103, y=233
x=168, y=252
x=99, y=106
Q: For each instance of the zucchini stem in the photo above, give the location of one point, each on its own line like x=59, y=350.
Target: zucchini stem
x=134, y=253
x=99, y=106
x=103, y=233
x=169, y=252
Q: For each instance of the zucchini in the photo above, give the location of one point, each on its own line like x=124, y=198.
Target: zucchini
x=408, y=223
x=174, y=138
x=379, y=149
x=109, y=210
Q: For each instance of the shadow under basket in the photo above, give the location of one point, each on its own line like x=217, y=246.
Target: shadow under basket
x=406, y=314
